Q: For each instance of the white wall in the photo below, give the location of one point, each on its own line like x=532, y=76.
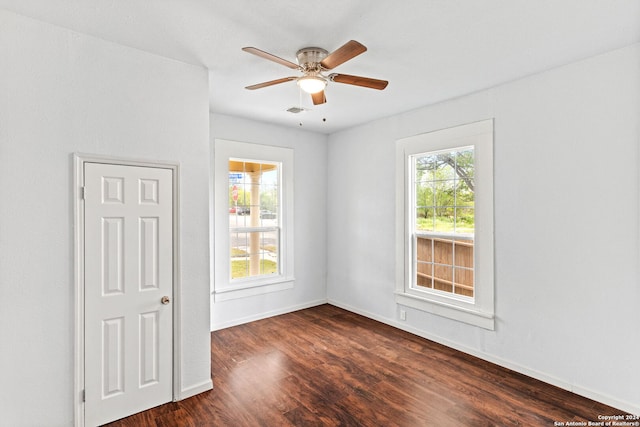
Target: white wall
x=566, y=224
x=310, y=198
x=63, y=92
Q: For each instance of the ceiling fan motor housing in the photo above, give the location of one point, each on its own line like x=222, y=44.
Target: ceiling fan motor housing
x=309, y=58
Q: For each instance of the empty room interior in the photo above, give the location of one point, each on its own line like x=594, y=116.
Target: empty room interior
x=461, y=177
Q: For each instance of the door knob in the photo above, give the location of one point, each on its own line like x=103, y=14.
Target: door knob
x=165, y=300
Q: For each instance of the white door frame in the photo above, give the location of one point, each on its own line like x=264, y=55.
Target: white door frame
x=79, y=159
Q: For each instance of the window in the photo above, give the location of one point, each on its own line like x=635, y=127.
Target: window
x=442, y=194
x=445, y=227
x=253, y=219
x=254, y=230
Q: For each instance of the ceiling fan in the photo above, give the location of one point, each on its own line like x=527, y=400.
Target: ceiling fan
x=313, y=62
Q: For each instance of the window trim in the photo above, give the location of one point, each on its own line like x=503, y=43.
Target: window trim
x=480, y=310
x=223, y=288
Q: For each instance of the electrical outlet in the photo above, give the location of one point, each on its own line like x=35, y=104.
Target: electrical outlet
x=403, y=315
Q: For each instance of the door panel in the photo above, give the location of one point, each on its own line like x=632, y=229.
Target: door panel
x=128, y=270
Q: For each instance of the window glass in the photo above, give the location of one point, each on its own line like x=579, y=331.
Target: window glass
x=444, y=220
x=254, y=229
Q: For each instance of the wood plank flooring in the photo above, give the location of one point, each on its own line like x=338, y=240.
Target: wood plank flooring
x=325, y=366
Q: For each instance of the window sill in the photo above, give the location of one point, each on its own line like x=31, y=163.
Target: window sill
x=249, y=289
x=450, y=311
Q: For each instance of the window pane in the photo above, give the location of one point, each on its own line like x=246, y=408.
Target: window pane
x=424, y=275
x=445, y=265
x=425, y=167
x=443, y=251
x=465, y=165
x=268, y=204
x=424, y=249
x=424, y=194
x=464, y=220
x=444, y=220
x=464, y=253
x=245, y=196
x=443, y=278
x=445, y=163
x=464, y=195
x=424, y=219
x=463, y=282
x=424, y=265
x=269, y=175
x=254, y=253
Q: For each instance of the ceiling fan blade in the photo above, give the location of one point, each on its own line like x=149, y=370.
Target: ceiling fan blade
x=341, y=55
x=270, y=83
x=270, y=57
x=318, y=98
x=359, y=81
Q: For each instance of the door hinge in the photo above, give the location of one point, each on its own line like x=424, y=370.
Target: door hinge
x=84, y=396
x=82, y=192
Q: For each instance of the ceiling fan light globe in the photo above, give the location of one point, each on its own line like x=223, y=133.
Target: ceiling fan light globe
x=312, y=84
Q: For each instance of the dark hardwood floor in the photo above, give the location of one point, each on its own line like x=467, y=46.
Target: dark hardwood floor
x=325, y=366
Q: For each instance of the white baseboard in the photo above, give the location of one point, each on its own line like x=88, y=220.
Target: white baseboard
x=590, y=394
x=265, y=315
x=195, y=389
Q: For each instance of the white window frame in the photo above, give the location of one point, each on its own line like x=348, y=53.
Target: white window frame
x=224, y=288
x=479, y=310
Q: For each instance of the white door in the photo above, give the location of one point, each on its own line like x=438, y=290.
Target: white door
x=128, y=258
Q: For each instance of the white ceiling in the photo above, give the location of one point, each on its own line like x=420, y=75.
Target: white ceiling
x=429, y=50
